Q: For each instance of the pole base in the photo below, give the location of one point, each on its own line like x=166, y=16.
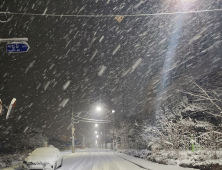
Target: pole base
x=73, y=149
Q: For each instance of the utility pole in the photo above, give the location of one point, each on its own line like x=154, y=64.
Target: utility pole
x=83, y=142
x=73, y=133
x=113, y=111
x=104, y=138
x=113, y=133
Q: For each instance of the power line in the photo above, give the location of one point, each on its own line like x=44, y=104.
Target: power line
x=90, y=119
x=132, y=15
x=81, y=119
x=93, y=121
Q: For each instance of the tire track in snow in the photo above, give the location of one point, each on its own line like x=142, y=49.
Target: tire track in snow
x=133, y=163
x=72, y=160
x=113, y=165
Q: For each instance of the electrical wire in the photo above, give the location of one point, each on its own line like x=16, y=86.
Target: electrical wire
x=132, y=15
x=93, y=121
x=90, y=119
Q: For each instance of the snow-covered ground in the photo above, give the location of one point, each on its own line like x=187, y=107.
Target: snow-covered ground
x=99, y=159
x=95, y=159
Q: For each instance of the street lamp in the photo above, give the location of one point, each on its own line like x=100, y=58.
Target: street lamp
x=98, y=108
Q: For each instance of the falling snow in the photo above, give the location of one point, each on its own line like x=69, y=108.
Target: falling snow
x=64, y=102
x=102, y=70
x=66, y=85
x=153, y=70
x=117, y=48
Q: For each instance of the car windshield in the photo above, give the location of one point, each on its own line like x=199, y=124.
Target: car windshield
x=43, y=151
x=111, y=84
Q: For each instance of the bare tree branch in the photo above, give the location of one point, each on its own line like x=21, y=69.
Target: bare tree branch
x=197, y=95
x=207, y=96
x=216, y=95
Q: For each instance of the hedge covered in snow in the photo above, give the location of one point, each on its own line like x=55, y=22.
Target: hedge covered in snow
x=203, y=159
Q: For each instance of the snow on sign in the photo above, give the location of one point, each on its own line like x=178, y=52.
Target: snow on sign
x=17, y=47
x=119, y=18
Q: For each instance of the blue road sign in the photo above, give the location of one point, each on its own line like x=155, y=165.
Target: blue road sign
x=17, y=47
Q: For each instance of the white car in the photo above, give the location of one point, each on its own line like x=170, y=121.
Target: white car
x=45, y=158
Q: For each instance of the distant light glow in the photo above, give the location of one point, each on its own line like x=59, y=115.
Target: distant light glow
x=98, y=108
x=96, y=125
x=95, y=131
x=97, y=136
x=113, y=111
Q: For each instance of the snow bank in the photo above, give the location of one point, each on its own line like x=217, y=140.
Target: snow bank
x=150, y=165
x=11, y=160
x=203, y=159
x=139, y=154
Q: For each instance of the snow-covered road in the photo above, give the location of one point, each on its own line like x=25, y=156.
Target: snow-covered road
x=95, y=159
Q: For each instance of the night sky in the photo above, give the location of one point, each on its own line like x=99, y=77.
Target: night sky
x=121, y=66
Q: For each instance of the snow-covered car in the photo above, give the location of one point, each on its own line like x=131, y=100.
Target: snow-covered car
x=45, y=158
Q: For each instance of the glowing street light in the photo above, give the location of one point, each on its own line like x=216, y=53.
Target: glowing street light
x=98, y=108
x=113, y=111
x=95, y=131
x=96, y=125
x=97, y=136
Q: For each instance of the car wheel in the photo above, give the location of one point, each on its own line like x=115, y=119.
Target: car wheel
x=61, y=163
x=55, y=166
